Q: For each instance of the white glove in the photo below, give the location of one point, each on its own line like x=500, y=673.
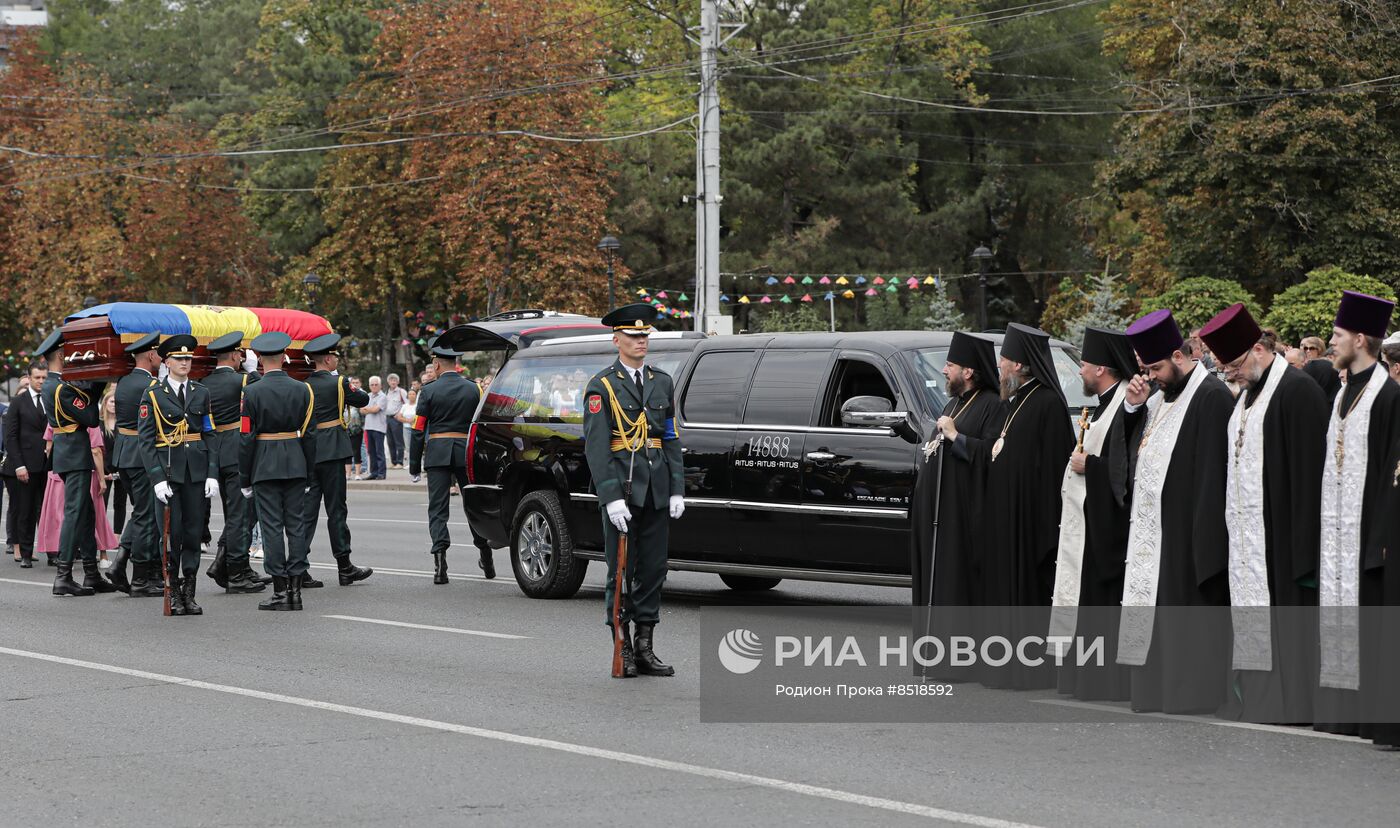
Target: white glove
x=211, y=488
x=247, y=493
x=163, y=491
x=619, y=514
x=677, y=507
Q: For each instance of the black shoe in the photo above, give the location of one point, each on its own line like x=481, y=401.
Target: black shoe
x=278, y=601
x=349, y=573
x=488, y=566
x=264, y=579
x=116, y=571
x=146, y=580
x=629, y=661
x=218, y=569
x=93, y=580
x=63, y=583
x=439, y=567
x=53, y=560
x=191, y=608
x=294, y=592
x=244, y=581
x=26, y=563
x=308, y=582
x=177, y=596
x=647, y=662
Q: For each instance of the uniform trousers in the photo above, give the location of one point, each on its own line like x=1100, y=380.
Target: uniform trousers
x=78, y=535
x=328, y=483
x=281, y=505
x=237, y=534
x=187, y=507
x=140, y=537
x=647, y=538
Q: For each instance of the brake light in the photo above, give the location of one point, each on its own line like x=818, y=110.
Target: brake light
x=471, y=450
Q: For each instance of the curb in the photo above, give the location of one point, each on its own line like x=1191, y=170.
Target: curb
x=382, y=486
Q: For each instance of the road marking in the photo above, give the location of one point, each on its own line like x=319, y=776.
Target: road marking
x=18, y=581
x=736, y=777
x=1206, y=720
x=387, y=570
x=482, y=633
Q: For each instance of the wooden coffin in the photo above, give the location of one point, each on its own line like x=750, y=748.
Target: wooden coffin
x=92, y=351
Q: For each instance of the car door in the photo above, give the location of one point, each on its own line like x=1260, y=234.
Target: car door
x=769, y=524
x=710, y=406
x=857, y=481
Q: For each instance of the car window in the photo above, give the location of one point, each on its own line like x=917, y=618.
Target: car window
x=928, y=362
x=785, y=387
x=715, y=391
x=853, y=378
x=551, y=390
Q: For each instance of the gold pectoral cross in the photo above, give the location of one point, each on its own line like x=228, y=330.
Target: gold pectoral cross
x=1395, y=481
x=1340, y=452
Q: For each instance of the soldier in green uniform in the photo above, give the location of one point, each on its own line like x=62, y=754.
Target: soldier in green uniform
x=225, y=383
x=275, y=460
x=172, y=424
x=443, y=418
x=140, y=540
x=333, y=451
x=72, y=409
x=634, y=456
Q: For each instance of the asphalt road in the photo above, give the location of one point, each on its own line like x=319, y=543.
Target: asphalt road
x=114, y=715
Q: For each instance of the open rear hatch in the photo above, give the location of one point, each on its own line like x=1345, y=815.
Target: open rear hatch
x=514, y=330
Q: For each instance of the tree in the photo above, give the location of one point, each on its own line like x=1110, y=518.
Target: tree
x=1105, y=306
x=1194, y=301
x=803, y=317
x=943, y=313
x=1308, y=308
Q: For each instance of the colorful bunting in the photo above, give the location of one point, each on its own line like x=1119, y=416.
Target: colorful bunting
x=771, y=280
x=879, y=280
x=743, y=300
x=824, y=280
x=806, y=297
x=860, y=280
x=850, y=294
x=806, y=280
x=789, y=281
x=871, y=292
x=843, y=281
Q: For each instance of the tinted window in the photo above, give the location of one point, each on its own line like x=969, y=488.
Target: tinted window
x=929, y=365
x=551, y=390
x=715, y=393
x=785, y=387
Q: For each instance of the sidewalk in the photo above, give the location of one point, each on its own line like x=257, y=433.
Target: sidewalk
x=395, y=480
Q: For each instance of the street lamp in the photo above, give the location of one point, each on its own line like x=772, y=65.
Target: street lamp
x=610, y=245
x=311, y=285
x=982, y=257
x=90, y=302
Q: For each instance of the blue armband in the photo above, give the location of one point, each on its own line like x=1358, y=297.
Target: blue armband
x=670, y=433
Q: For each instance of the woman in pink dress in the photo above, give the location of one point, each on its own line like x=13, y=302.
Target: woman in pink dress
x=51, y=518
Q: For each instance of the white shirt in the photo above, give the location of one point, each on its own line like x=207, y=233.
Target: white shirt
x=177, y=387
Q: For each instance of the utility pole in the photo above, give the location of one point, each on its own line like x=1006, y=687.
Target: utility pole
x=708, y=317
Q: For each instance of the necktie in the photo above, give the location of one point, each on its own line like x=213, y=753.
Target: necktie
x=637, y=378
x=180, y=395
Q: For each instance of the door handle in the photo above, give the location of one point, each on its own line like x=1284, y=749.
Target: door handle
x=820, y=456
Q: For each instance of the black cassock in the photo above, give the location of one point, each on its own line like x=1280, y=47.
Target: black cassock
x=1020, y=516
x=1337, y=711
x=955, y=565
x=1189, y=658
x=1107, y=516
x=1295, y=437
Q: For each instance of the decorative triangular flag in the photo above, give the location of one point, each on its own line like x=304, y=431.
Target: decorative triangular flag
x=930, y=281
x=871, y=292
x=829, y=296
x=842, y=280
x=860, y=280
x=806, y=297
x=789, y=281
x=743, y=300
x=724, y=297
x=771, y=280
x=824, y=280
x=850, y=294
x=661, y=295
x=641, y=291
x=767, y=300
x=807, y=280
x=879, y=280
x=786, y=300
x=912, y=283
x=683, y=298
x=893, y=288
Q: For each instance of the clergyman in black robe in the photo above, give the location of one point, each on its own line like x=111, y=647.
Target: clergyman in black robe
x=1107, y=364
x=1174, y=630
x=1023, y=462
x=1277, y=436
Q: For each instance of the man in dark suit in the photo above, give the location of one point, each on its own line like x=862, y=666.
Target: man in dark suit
x=25, y=464
x=72, y=408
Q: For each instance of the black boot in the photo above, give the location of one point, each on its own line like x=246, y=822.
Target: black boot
x=116, y=572
x=26, y=561
x=488, y=566
x=349, y=573
x=629, y=661
x=53, y=560
x=294, y=592
x=308, y=582
x=244, y=580
x=63, y=583
x=92, y=578
x=439, y=567
x=146, y=580
x=647, y=662
x=177, y=595
x=278, y=601
x=218, y=569
x=191, y=608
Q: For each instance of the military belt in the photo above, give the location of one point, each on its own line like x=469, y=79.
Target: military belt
x=129, y=432
x=227, y=426
x=68, y=429
x=184, y=438
x=279, y=435
x=442, y=435
x=652, y=443
x=328, y=424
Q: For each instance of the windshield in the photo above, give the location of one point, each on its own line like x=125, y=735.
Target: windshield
x=550, y=390
x=928, y=362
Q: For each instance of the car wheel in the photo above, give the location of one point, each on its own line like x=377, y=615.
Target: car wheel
x=749, y=583
x=542, y=549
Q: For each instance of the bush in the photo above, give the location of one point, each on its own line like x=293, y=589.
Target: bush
x=1308, y=308
x=1194, y=301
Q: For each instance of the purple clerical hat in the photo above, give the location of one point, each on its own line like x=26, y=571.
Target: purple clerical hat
x=1155, y=336
x=1230, y=333
x=1363, y=314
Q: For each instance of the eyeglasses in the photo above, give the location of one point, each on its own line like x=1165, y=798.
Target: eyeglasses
x=1311, y=348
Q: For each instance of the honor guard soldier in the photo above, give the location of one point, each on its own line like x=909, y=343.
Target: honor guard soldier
x=333, y=451
x=230, y=569
x=72, y=409
x=172, y=422
x=634, y=455
x=275, y=459
x=140, y=538
x=445, y=410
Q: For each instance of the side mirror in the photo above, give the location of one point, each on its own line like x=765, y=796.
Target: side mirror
x=871, y=412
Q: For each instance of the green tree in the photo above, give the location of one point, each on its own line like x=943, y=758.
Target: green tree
x=1194, y=301
x=943, y=313
x=1308, y=308
x=802, y=317
x=1105, y=306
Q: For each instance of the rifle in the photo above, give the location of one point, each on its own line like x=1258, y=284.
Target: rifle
x=165, y=557
x=619, y=584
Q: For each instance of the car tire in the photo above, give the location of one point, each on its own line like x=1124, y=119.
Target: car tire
x=749, y=583
x=542, y=549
